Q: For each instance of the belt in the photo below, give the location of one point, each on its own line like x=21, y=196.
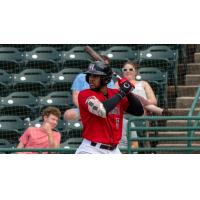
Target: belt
x=104, y=146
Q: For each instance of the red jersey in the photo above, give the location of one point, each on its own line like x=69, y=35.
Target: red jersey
x=97, y=129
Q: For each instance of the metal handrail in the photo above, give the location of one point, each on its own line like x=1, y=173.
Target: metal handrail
x=191, y=113
x=164, y=128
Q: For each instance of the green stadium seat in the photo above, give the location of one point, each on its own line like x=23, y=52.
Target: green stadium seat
x=11, y=59
x=60, y=99
x=73, y=143
x=36, y=81
x=158, y=81
x=74, y=128
x=76, y=57
x=5, y=83
x=118, y=55
x=22, y=104
x=163, y=58
x=6, y=144
x=11, y=127
x=46, y=58
x=62, y=80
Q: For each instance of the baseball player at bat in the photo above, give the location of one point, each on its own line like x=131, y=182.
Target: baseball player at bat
x=102, y=108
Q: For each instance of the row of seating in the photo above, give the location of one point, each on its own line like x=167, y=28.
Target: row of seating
x=40, y=83
x=12, y=127
x=24, y=104
x=37, y=81
x=50, y=58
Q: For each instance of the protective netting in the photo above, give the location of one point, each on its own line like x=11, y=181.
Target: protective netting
x=33, y=76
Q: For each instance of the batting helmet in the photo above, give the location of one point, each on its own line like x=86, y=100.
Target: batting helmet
x=99, y=68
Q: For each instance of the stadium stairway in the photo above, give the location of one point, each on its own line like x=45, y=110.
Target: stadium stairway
x=189, y=81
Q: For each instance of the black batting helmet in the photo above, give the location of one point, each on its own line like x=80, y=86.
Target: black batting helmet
x=101, y=69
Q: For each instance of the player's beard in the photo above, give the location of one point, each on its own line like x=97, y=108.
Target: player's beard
x=96, y=89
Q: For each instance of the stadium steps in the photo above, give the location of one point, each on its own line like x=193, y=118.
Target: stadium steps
x=186, y=91
x=176, y=145
x=182, y=111
x=183, y=90
x=173, y=134
x=192, y=79
x=185, y=102
x=197, y=57
x=193, y=68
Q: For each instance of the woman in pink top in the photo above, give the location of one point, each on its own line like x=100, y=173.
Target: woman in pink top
x=44, y=136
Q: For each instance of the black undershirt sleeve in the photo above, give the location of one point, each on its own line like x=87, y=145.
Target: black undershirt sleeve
x=110, y=104
x=135, y=107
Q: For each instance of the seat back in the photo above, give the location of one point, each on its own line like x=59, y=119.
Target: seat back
x=76, y=57
x=19, y=99
x=10, y=54
x=158, y=81
x=43, y=54
x=11, y=123
x=23, y=104
x=72, y=143
x=60, y=99
x=46, y=58
x=11, y=59
x=36, y=81
x=62, y=80
x=121, y=53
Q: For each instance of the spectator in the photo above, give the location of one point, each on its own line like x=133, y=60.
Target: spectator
x=44, y=136
x=143, y=90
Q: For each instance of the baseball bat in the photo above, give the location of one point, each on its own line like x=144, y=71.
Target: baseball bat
x=93, y=54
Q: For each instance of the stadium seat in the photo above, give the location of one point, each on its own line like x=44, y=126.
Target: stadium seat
x=11, y=127
x=71, y=143
x=60, y=99
x=62, y=80
x=158, y=81
x=118, y=55
x=5, y=82
x=46, y=58
x=23, y=104
x=5, y=144
x=35, y=81
x=163, y=58
x=10, y=59
x=74, y=128
x=76, y=57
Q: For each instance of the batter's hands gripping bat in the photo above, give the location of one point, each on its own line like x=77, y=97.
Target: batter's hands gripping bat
x=94, y=54
x=143, y=101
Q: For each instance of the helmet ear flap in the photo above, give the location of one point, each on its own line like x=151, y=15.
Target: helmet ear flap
x=87, y=77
